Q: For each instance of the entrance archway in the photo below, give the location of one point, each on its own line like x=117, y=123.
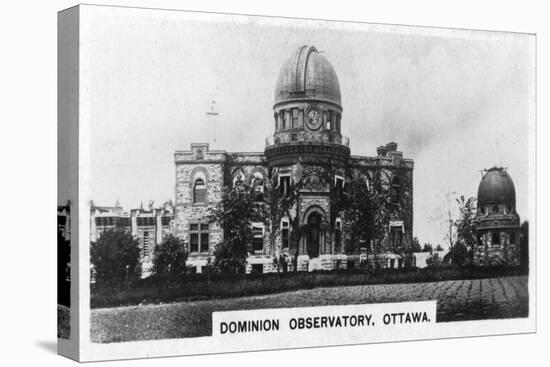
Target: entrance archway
x=313, y=234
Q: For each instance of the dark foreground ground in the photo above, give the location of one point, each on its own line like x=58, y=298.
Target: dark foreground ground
x=458, y=300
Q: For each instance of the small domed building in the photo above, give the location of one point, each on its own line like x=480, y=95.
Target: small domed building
x=497, y=223
x=309, y=151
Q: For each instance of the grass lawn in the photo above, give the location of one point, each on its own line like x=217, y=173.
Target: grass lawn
x=471, y=299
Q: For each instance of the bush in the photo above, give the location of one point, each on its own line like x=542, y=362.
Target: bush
x=170, y=256
x=459, y=254
x=115, y=257
x=434, y=260
x=189, y=287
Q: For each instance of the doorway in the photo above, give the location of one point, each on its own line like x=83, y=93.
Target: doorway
x=313, y=235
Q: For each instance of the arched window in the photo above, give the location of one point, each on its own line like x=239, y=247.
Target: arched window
x=395, y=191
x=199, y=191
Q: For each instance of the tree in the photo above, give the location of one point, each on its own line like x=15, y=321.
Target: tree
x=358, y=211
x=170, y=256
x=415, y=247
x=433, y=260
x=234, y=214
x=427, y=247
x=465, y=230
x=366, y=207
x=279, y=204
x=115, y=257
x=459, y=254
x=438, y=248
x=446, y=217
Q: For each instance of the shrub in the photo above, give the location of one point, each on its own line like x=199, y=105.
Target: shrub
x=170, y=256
x=434, y=260
x=115, y=257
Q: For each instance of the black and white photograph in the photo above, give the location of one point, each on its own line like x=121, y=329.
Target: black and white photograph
x=251, y=182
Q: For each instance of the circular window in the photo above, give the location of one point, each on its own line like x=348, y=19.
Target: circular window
x=508, y=209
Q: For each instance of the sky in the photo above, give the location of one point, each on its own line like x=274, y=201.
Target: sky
x=455, y=101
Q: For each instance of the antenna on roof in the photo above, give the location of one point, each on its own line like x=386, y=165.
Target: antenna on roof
x=212, y=114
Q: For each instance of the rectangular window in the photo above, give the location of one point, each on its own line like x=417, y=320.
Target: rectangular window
x=396, y=237
x=145, y=221
x=283, y=119
x=194, y=242
x=294, y=118
x=512, y=238
x=496, y=239
x=258, y=237
x=285, y=234
x=338, y=232
x=146, y=243
x=204, y=241
x=339, y=183
x=199, y=237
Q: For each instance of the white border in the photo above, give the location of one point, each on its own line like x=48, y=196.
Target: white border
x=204, y=345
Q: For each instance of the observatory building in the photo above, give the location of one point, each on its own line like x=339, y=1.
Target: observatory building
x=497, y=222
x=307, y=153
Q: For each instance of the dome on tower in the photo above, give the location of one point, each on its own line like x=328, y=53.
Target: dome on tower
x=496, y=187
x=307, y=75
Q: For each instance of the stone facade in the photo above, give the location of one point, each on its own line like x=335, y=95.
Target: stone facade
x=308, y=153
